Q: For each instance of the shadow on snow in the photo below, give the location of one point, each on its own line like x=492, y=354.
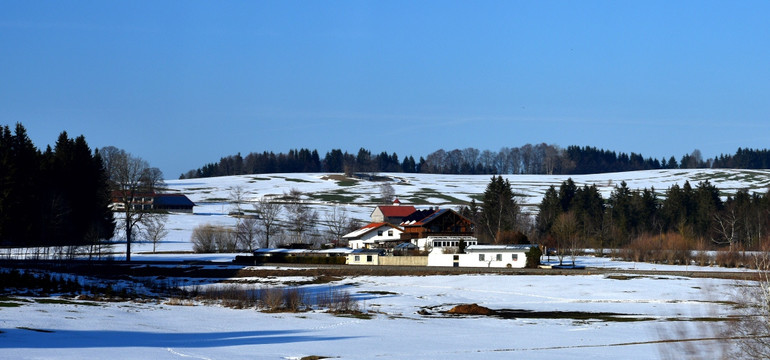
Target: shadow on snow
x=68, y=339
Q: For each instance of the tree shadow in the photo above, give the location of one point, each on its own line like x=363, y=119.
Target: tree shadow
x=68, y=339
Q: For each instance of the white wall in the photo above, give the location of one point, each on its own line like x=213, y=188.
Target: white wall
x=438, y=258
x=361, y=259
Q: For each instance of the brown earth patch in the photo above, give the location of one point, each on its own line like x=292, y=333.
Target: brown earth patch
x=470, y=309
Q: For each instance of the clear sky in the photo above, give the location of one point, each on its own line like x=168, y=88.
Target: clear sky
x=183, y=83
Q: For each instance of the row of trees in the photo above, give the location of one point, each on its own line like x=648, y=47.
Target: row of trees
x=572, y=217
x=304, y=160
x=528, y=159
x=57, y=197
x=268, y=222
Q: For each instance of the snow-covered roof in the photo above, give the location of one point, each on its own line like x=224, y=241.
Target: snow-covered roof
x=501, y=248
x=369, y=228
x=267, y=251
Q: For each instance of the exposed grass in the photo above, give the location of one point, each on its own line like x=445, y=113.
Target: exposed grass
x=341, y=180
x=478, y=197
x=334, y=197
x=349, y=182
x=14, y=299
x=4, y=304
x=426, y=196
x=297, y=180
x=322, y=279
x=378, y=292
x=570, y=315
x=622, y=277
x=355, y=315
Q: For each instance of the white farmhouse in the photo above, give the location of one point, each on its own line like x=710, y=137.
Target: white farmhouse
x=374, y=235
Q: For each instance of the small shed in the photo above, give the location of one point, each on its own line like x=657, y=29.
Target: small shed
x=365, y=257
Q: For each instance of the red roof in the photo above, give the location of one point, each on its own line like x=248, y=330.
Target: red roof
x=396, y=210
x=374, y=225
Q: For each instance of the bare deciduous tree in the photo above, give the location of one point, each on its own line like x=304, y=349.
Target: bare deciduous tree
x=247, y=232
x=237, y=194
x=154, y=229
x=133, y=183
x=752, y=327
x=337, y=224
x=565, y=230
x=726, y=225
x=387, y=193
x=267, y=217
x=301, y=218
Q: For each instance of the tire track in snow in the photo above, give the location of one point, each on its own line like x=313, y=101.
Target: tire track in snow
x=185, y=355
x=329, y=326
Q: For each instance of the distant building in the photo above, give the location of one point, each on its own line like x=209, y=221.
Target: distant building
x=364, y=257
x=392, y=214
x=173, y=203
x=152, y=201
x=437, y=228
x=374, y=235
x=496, y=256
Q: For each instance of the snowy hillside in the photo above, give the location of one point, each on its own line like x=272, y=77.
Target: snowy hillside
x=324, y=191
x=449, y=190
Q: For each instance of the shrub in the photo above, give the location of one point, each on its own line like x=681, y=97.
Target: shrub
x=671, y=248
x=271, y=299
x=294, y=298
x=533, y=257
x=225, y=240
x=203, y=239
x=209, y=238
x=337, y=301
x=734, y=258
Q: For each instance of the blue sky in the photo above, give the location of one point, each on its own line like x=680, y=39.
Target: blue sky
x=183, y=83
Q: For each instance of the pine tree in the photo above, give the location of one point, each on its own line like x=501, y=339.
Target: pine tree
x=499, y=210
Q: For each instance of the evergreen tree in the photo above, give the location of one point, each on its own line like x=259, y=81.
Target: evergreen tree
x=499, y=210
x=549, y=209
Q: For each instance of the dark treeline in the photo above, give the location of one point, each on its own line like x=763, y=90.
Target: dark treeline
x=694, y=215
x=527, y=159
x=58, y=197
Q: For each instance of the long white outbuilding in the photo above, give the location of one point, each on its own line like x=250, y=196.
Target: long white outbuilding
x=498, y=256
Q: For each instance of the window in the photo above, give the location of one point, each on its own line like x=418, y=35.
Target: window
x=481, y=257
x=515, y=257
x=368, y=258
x=499, y=257
x=390, y=232
x=379, y=232
x=356, y=258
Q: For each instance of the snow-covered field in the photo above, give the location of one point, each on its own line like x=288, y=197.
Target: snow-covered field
x=155, y=331
x=655, y=308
